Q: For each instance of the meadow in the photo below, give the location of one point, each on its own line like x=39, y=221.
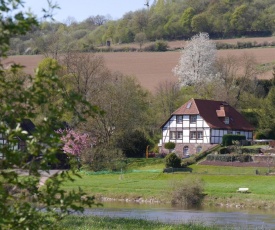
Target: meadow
x=150, y=184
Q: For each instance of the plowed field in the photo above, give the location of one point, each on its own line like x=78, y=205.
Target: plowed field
x=150, y=68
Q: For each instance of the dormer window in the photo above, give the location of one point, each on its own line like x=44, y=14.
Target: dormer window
x=226, y=120
x=193, y=118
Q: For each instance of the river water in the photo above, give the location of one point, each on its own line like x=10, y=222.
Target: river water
x=223, y=217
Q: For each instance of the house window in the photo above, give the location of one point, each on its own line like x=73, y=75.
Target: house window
x=185, y=150
x=238, y=133
x=193, y=118
x=199, y=148
x=199, y=135
x=193, y=135
x=196, y=135
x=226, y=120
x=175, y=135
x=229, y=132
x=179, y=119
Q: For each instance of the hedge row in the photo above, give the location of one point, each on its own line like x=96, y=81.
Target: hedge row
x=230, y=149
x=244, y=45
x=229, y=138
x=229, y=157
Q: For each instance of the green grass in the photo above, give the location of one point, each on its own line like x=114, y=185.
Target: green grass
x=145, y=164
x=99, y=223
x=158, y=186
x=227, y=170
x=144, y=179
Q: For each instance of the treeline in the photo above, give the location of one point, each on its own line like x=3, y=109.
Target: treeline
x=164, y=19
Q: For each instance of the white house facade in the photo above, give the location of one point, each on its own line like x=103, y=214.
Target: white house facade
x=200, y=124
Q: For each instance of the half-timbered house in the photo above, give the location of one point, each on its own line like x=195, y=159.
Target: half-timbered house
x=200, y=124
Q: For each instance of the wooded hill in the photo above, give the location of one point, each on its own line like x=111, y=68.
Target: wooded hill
x=163, y=19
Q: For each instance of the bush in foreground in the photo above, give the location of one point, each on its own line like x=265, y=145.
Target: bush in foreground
x=188, y=193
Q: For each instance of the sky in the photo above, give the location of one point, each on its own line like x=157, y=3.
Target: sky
x=82, y=9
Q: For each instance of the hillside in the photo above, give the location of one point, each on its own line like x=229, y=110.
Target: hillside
x=163, y=20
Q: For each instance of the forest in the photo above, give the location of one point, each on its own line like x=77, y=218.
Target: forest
x=162, y=20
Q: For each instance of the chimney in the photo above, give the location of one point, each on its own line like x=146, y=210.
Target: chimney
x=224, y=106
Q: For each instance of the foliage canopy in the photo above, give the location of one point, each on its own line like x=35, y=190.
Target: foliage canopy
x=22, y=196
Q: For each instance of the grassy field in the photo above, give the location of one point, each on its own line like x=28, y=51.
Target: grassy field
x=99, y=223
x=149, y=183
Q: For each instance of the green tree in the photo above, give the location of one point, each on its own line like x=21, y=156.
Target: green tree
x=140, y=38
x=21, y=197
x=133, y=143
x=239, y=20
x=266, y=113
x=186, y=20
x=172, y=27
x=200, y=23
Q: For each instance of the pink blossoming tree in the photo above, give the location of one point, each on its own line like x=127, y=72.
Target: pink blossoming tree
x=74, y=142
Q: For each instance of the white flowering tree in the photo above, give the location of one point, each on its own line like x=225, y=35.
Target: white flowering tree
x=196, y=64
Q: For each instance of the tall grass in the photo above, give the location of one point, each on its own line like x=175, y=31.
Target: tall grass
x=100, y=223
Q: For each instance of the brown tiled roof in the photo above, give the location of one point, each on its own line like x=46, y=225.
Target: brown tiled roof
x=189, y=107
x=211, y=111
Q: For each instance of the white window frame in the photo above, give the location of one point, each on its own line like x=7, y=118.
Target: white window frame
x=196, y=135
x=193, y=118
x=179, y=119
x=226, y=120
x=173, y=135
x=176, y=135
x=193, y=135
x=200, y=135
x=179, y=135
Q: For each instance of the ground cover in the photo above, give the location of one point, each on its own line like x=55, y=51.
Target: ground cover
x=93, y=222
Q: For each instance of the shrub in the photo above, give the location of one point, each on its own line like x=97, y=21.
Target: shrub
x=229, y=157
x=229, y=138
x=133, y=143
x=265, y=134
x=149, y=48
x=99, y=159
x=224, y=150
x=170, y=145
x=244, y=158
x=187, y=162
x=172, y=160
x=251, y=151
x=188, y=192
x=260, y=135
x=223, y=157
x=161, y=45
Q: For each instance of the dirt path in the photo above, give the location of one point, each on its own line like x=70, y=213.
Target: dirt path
x=44, y=175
